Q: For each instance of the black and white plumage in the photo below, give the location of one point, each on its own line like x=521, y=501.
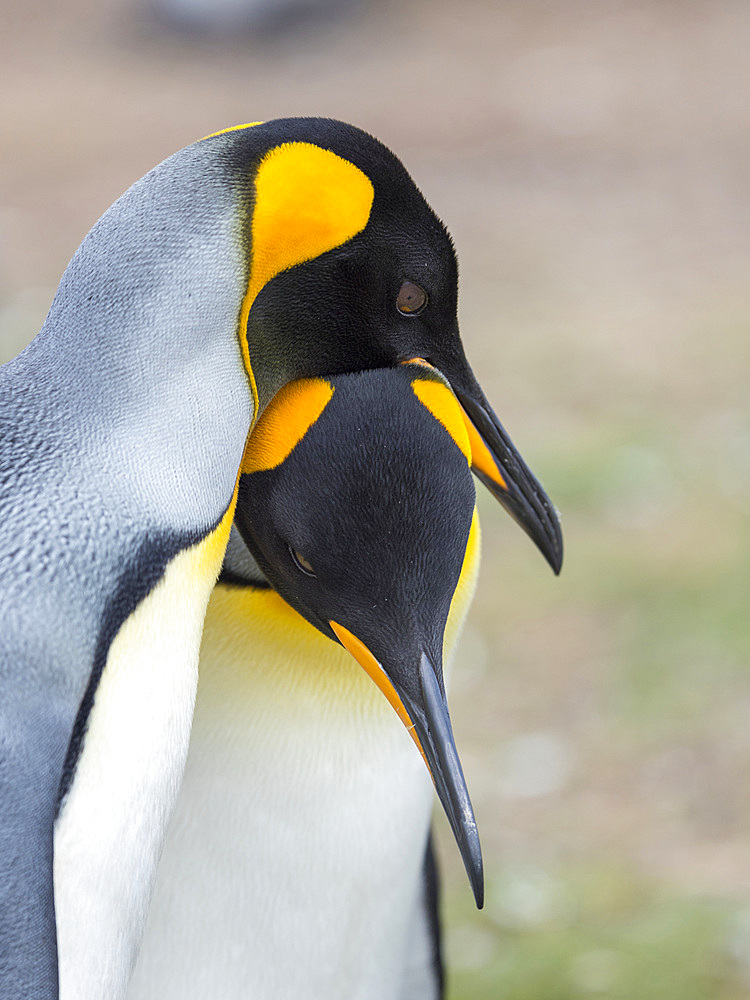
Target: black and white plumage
x=251, y=258
x=297, y=862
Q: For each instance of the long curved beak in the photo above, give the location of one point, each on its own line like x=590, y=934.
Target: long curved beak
x=498, y=464
x=433, y=726
x=428, y=722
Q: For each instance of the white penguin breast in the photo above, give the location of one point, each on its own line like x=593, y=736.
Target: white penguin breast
x=111, y=827
x=295, y=852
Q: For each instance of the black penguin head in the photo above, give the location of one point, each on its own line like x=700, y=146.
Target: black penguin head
x=358, y=504
x=350, y=269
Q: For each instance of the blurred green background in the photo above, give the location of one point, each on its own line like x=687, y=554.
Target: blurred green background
x=592, y=160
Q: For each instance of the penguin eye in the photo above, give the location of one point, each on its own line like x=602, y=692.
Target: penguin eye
x=411, y=299
x=302, y=564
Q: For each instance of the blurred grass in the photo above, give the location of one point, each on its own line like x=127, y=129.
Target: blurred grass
x=593, y=932
x=618, y=876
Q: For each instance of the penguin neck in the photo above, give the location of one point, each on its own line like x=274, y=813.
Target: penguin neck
x=139, y=357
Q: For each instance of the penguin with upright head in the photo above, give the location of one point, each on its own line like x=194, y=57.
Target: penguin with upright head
x=298, y=861
x=342, y=239
x=254, y=257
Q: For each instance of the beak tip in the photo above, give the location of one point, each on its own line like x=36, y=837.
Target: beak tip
x=476, y=880
x=556, y=548
x=449, y=778
x=555, y=557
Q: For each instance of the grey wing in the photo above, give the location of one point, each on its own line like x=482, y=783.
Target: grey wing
x=423, y=972
x=33, y=743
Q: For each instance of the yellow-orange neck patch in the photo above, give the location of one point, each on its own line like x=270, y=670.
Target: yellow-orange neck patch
x=464, y=588
x=445, y=408
x=285, y=421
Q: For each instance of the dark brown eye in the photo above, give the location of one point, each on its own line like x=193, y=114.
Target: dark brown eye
x=301, y=563
x=411, y=299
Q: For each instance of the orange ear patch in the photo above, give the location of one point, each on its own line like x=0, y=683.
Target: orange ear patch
x=481, y=457
x=285, y=421
x=445, y=408
x=308, y=200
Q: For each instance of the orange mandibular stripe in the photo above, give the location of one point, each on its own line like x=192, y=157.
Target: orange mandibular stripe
x=373, y=669
x=232, y=128
x=481, y=456
x=285, y=421
x=445, y=408
x=308, y=200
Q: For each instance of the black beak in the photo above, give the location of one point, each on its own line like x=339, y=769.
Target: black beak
x=426, y=718
x=498, y=464
x=515, y=487
x=433, y=728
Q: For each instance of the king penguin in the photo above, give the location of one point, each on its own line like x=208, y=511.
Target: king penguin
x=296, y=864
x=260, y=255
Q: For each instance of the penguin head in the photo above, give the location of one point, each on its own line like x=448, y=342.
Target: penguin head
x=350, y=269
x=359, y=506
